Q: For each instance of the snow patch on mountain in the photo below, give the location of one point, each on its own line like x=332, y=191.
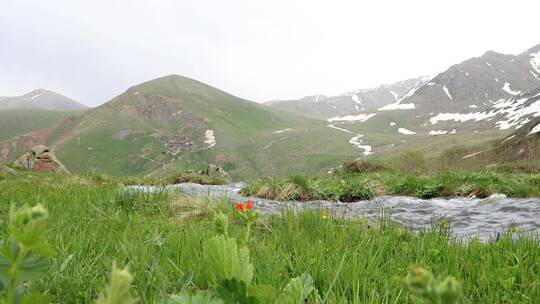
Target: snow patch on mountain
x=535, y=130
x=406, y=131
x=535, y=62
x=509, y=137
x=395, y=95
x=398, y=106
x=359, y=117
x=340, y=129
x=437, y=132
x=507, y=88
x=210, y=138
x=356, y=141
x=516, y=111
x=281, y=131
x=447, y=93
x=459, y=117
x=37, y=95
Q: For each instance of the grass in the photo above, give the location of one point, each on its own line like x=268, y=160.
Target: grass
x=17, y=122
x=160, y=237
x=360, y=180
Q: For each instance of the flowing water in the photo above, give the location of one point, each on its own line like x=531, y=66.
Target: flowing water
x=468, y=217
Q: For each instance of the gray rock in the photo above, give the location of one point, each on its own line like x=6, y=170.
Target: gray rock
x=41, y=159
x=216, y=171
x=7, y=170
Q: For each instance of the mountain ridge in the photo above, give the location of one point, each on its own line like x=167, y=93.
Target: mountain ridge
x=173, y=123
x=41, y=99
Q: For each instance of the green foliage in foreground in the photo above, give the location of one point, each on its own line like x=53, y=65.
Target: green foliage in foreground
x=162, y=239
x=347, y=186
x=23, y=257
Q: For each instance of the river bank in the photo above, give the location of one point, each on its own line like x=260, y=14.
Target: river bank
x=467, y=217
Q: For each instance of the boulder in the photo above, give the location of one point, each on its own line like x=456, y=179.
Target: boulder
x=41, y=159
x=217, y=171
x=7, y=170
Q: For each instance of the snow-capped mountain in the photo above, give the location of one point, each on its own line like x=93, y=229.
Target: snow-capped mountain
x=484, y=97
x=353, y=102
x=40, y=99
x=477, y=83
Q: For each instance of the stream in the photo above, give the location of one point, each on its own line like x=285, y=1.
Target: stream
x=468, y=217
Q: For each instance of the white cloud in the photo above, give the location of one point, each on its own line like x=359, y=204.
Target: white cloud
x=260, y=50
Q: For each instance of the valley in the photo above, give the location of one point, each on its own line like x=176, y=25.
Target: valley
x=174, y=191
x=172, y=124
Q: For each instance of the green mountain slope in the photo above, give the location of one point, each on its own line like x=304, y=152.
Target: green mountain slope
x=171, y=124
x=17, y=122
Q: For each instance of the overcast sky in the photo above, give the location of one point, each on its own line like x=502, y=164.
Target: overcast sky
x=261, y=50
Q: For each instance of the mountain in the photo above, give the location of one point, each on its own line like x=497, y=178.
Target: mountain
x=170, y=124
x=471, y=103
x=477, y=83
x=40, y=99
x=18, y=122
x=358, y=101
x=519, y=151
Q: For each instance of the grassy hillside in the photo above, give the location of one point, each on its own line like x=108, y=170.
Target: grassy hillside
x=174, y=123
x=171, y=124
x=18, y=122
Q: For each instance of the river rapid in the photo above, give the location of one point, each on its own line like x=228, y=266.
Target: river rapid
x=468, y=217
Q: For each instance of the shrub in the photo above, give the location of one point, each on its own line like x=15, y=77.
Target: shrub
x=298, y=188
x=430, y=190
x=361, y=166
x=517, y=167
x=301, y=181
x=198, y=179
x=95, y=176
x=411, y=162
x=345, y=190
x=452, y=158
x=128, y=199
x=408, y=185
x=534, y=180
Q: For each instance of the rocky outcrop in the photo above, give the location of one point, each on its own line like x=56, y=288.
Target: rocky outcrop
x=41, y=159
x=216, y=171
x=7, y=171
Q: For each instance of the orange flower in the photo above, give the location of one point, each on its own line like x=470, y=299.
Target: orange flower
x=244, y=207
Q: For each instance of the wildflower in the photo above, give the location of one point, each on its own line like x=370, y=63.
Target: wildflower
x=244, y=207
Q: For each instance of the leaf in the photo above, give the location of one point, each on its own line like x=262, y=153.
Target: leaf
x=265, y=294
x=66, y=261
x=202, y=297
x=35, y=299
x=117, y=292
x=184, y=281
x=221, y=223
x=297, y=290
x=234, y=291
x=33, y=267
x=225, y=260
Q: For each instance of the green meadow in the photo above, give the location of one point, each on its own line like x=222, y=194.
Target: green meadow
x=162, y=237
